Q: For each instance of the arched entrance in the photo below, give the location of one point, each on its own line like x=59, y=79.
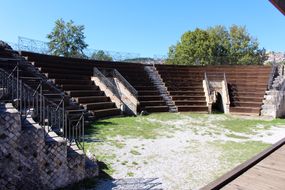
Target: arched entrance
x=218, y=106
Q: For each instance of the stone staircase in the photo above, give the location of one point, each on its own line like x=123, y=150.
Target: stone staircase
x=185, y=87
x=159, y=84
x=273, y=104
x=31, y=158
x=72, y=68
x=75, y=80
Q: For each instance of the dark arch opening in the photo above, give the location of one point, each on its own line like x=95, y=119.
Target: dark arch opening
x=218, y=105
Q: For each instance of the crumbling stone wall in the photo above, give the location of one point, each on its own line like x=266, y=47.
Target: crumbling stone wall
x=32, y=159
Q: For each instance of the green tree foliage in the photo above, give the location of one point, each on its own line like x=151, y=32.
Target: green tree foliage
x=216, y=45
x=67, y=39
x=101, y=56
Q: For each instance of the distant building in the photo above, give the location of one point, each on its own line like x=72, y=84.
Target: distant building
x=275, y=57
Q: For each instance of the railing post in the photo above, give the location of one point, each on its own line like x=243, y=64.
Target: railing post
x=48, y=114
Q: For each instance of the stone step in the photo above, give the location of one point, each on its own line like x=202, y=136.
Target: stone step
x=148, y=92
x=66, y=76
x=55, y=65
x=247, y=99
x=73, y=82
x=152, y=103
x=190, y=102
x=69, y=87
x=192, y=97
x=149, y=98
x=66, y=71
x=188, y=88
x=185, y=93
x=246, y=94
x=145, y=88
x=151, y=109
x=247, y=89
x=81, y=93
x=91, y=99
x=247, y=110
x=99, y=105
x=246, y=104
x=192, y=108
x=106, y=112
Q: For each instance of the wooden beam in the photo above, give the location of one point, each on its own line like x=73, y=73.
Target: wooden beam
x=280, y=5
x=240, y=169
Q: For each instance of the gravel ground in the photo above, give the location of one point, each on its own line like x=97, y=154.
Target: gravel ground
x=183, y=157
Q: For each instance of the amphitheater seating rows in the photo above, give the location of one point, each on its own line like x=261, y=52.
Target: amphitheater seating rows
x=29, y=76
x=246, y=84
x=73, y=75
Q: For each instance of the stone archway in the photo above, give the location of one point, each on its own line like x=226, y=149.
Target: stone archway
x=217, y=105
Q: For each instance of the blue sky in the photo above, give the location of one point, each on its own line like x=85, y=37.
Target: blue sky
x=147, y=27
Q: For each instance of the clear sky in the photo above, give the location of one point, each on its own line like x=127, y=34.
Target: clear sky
x=147, y=27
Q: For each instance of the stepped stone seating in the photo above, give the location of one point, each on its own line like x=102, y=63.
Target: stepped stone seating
x=75, y=80
x=148, y=96
x=80, y=71
x=30, y=76
x=185, y=86
x=246, y=84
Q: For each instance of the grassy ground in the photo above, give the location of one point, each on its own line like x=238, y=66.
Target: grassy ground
x=126, y=143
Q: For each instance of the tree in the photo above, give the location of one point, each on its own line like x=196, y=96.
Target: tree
x=101, y=56
x=244, y=48
x=67, y=39
x=193, y=48
x=220, y=41
x=216, y=45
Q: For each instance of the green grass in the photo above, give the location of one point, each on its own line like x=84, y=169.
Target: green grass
x=130, y=174
x=154, y=126
x=248, y=126
x=134, y=152
x=147, y=127
x=124, y=126
x=234, y=153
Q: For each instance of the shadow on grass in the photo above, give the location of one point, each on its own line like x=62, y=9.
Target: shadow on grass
x=95, y=127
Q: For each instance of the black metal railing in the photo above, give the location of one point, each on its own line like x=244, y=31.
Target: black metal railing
x=31, y=102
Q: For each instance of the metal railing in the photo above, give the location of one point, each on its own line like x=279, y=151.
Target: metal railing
x=31, y=102
x=37, y=46
x=125, y=82
x=272, y=76
x=125, y=91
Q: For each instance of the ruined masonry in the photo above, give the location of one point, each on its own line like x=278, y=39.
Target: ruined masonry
x=33, y=159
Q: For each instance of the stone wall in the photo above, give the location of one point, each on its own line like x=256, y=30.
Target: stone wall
x=32, y=159
x=274, y=100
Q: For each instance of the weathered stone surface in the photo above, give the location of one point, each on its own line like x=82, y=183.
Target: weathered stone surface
x=274, y=102
x=32, y=159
